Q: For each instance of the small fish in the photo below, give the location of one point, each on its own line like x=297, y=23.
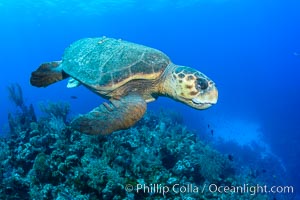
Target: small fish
x=212, y=132
x=208, y=125
x=74, y=97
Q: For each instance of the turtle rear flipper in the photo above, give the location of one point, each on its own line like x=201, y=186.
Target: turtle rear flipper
x=107, y=118
x=47, y=74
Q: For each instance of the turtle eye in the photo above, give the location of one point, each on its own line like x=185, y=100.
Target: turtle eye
x=202, y=84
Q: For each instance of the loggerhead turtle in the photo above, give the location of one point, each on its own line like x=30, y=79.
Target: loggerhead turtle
x=129, y=75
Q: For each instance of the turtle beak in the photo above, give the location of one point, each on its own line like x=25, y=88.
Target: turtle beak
x=205, y=99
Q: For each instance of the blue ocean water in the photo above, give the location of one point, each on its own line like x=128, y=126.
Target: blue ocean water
x=250, y=48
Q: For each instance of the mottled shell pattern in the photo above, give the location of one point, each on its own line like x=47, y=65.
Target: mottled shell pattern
x=107, y=63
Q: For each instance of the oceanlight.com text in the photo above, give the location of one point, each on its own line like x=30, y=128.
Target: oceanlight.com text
x=250, y=189
x=210, y=188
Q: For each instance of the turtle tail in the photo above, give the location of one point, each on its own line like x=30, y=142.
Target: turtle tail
x=47, y=73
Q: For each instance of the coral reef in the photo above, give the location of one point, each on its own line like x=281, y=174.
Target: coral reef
x=48, y=160
x=19, y=121
x=16, y=94
x=55, y=109
x=44, y=163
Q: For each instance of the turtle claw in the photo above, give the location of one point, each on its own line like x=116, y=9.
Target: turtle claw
x=107, y=118
x=113, y=104
x=108, y=107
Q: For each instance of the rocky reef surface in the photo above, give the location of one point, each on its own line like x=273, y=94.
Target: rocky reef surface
x=45, y=159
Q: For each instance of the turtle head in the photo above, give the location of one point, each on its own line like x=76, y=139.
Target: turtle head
x=192, y=88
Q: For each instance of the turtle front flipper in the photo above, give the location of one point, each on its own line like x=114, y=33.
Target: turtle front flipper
x=109, y=117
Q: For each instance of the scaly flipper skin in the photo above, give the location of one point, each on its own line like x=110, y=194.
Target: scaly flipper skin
x=47, y=74
x=107, y=118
